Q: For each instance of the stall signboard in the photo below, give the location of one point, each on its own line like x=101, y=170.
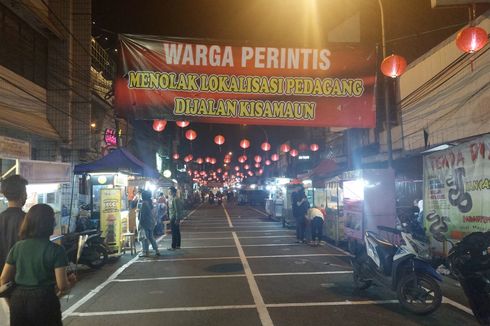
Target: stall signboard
x=14, y=148
x=218, y=82
x=456, y=190
x=45, y=172
x=110, y=217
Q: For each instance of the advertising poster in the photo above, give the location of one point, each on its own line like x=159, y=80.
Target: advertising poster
x=110, y=217
x=456, y=191
x=216, y=82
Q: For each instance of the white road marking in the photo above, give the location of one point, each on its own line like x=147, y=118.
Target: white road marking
x=304, y=273
x=145, y=311
x=300, y=255
x=265, y=214
x=265, y=318
x=123, y=280
x=250, y=245
x=197, y=232
x=228, y=217
x=457, y=305
x=186, y=259
x=332, y=303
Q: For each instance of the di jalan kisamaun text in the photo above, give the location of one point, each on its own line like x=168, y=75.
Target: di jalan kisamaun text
x=253, y=85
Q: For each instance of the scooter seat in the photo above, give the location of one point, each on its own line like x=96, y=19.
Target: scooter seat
x=385, y=251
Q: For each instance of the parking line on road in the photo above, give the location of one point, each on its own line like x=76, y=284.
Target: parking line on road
x=123, y=280
x=304, y=273
x=227, y=217
x=264, y=316
x=265, y=214
x=330, y=303
x=299, y=255
x=186, y=259
x=457, y=305
x=145, y=311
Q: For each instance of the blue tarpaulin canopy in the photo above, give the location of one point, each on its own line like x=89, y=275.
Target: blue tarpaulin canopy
x=119, y=160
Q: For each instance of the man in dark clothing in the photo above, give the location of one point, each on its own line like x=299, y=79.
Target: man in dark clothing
x=14, y=189
x=175, y=214
x=302, y=206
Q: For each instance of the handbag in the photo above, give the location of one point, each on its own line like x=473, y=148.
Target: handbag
x=7, y=289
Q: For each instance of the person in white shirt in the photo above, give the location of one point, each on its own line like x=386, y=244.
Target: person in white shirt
x=316, y=218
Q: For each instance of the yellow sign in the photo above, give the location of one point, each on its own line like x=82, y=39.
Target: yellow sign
x=110, y=217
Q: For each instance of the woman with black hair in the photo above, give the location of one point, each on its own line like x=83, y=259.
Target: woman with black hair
x=38, y=266
x=147, y=224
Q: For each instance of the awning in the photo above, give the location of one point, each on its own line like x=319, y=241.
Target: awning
x=119, y=160
x=324, y=168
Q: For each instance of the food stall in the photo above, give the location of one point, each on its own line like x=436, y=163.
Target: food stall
x=49, y=183
x=277, y=196
x=109, y=206
x=369, y=202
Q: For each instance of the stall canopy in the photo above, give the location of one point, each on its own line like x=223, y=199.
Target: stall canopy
x=119, y=160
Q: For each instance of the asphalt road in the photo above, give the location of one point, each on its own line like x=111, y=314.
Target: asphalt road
x=237, y=267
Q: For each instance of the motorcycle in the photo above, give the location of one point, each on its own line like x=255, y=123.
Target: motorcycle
x=403, y=268
x=469, y=261
x=86, y=247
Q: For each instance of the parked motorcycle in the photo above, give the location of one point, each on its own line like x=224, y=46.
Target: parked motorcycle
x=403, y=268
x=469, y=261
x=86, y=247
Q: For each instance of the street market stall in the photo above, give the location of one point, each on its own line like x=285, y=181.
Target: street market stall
x=109, y=207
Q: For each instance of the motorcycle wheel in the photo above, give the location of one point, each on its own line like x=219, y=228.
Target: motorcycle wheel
x=419, y=293
x=102, y=256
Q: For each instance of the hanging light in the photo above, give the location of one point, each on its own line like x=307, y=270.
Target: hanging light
x=190, y=134
x=471, y=39
x=285, y=148
x=257, y=165
x=293, y=152
x=393, y=66
x=219, y=170
x=237, y=168
x=265, y=146
x=246, y=166
x=207, y=159
x=242, y=159
x=159, y=125
x=260, y=171
x=268, y=162
x=314, y=147
x=176, y=156
x=199, y=160
x=213, y=160
x=227, y=160
x=244, y=143
x=219, y=140
x=274, y=157
x=182, y=124
x=258, y=158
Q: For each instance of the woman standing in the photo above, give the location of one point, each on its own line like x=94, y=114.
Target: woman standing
x=147, y=224
x=38, y=266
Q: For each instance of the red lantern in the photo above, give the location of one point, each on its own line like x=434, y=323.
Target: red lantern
x=227, y=160
x=314, y=147
x=242, y=159
x=199, y=161
x=190, y=134
x=244, y=143
x=182, y=124
x=212, y=161
x=257, y=165
x=159, y=125
x=237, y=168
x=471, y=39
x=246, y=166
x=285, y=148
x=265, y=146
x=258, y=158
x=250, y=173
x=260, y=171
x=219, y=170
x=393, y=66
x=293, y=153
x=219, y=140
x=188, y=158
x=176, y=156
x=275, y=157
x=267, y=162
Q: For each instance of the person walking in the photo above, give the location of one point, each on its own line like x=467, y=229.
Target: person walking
x=316, y=218
x=175, y=215
x=146, y=225
x=38, y=266
x=14, y=189
x=302, y=206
